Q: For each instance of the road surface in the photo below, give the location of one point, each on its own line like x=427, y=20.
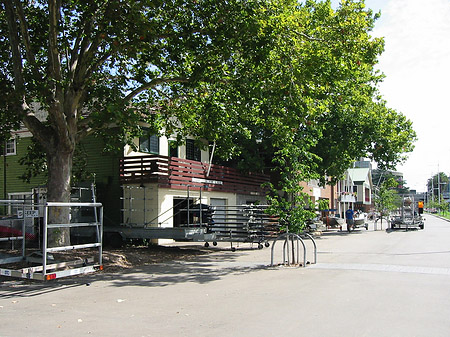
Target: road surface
x=366, y=283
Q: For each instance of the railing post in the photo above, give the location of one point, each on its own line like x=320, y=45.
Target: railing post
x=44, y=240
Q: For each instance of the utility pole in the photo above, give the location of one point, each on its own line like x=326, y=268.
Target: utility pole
x=432, y=189
x=439, y=185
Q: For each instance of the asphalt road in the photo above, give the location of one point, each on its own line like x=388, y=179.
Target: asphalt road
x=367, y=283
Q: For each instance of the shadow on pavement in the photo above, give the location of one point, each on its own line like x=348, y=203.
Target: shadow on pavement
x=196, y=268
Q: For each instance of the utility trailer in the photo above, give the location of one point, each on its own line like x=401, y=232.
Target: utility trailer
x=40, y=263
x=196, y=222
x=208, y=224
x=116, y=236
x=242, y=223
x=189, y=220
x=407, y=216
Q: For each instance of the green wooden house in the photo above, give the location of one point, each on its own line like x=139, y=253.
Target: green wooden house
x=101, y=168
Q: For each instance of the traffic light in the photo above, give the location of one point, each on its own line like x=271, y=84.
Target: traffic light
x=420, y=204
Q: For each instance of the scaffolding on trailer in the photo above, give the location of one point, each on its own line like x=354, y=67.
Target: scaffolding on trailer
x=46, y=268
x=407, y=216
x=242, y=223
x=192, y=220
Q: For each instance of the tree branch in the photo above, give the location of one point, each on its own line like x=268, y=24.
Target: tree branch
x=14, y=42
x=154, y=83
x=39, y=131
x=24, y=30
x=53, y=52
x=56, y=98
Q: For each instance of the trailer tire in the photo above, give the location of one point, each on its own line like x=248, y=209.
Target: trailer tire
x=114, y=240
x=214, y=243
x=267, y=244
x=260, y=246
x=206, y=244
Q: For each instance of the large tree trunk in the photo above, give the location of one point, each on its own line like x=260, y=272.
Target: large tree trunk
x=59, y=164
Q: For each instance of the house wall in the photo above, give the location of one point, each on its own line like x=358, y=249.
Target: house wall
x=316, y=192
x=103, y=167
x=164, y=150
x=11, y=170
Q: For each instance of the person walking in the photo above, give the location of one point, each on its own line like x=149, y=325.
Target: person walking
x=349, y=218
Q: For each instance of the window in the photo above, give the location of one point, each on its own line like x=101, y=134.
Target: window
x=10, y=147
x=173, y=148
x=149, y=144
x=192, y=151
x=367, y=194
x=26, y=197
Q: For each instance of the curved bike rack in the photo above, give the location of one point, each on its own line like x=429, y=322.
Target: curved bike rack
x=292, y=237
x=309, y=236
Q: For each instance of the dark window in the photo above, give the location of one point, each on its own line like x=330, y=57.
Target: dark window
x=192, y=151
x=173, y=149
x=149, y=144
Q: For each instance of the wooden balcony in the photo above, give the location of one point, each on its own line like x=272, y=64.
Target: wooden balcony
x=176, y=173
x=347, y=198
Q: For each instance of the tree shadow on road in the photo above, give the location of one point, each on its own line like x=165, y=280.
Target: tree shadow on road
x=194, y=267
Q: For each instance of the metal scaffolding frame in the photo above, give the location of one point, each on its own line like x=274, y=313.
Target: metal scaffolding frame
x=43, y=268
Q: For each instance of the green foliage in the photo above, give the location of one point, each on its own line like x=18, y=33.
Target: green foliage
x=287, y=200
x=438, y=183
x=386, y=197
x=35, y=164
x=307, y=76
x=283, y=87
x=441, y=205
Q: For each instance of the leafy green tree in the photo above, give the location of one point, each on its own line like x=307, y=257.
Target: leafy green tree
x=440, y=205
x=74, y=68
x=312, y=89
x=269, y=81
x=437, y=184
x=386, y=198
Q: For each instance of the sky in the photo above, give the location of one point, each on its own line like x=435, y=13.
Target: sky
x=416, y=62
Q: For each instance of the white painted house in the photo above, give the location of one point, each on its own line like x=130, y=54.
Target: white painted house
x=362, y=180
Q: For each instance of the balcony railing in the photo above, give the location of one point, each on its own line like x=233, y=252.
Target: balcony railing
x=176, y=173
x=347, y=198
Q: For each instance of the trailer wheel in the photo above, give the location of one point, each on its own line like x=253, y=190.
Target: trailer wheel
x=206, y=244
x=114, y=240
x=214, y=243
x=267, y=244
x=260, y=246
x=233, y=249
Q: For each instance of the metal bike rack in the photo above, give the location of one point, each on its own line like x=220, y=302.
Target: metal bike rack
x=289, y=237
x=309, y=236
x=286, y=254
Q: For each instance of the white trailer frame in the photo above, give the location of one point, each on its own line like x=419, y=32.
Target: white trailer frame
x=50, y=271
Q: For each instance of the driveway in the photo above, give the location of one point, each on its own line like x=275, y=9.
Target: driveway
x=366, y=283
